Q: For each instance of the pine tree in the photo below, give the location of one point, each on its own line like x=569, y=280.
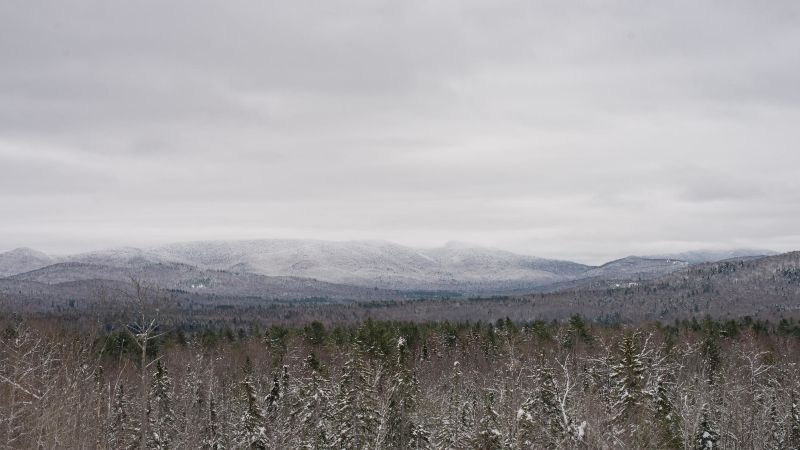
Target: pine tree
x=547, y=407
x=454, y=418
x=402, y=430
x=627, y=377
x=274, y=393
x=311, y=412
x=711, y=350
x=488, y=436
x=543, y=421
x=355, y=410
x=527, y=429
x=252, y=432
x=666, y=418
x=707, y=434
x=160, y=415
x=121, y=434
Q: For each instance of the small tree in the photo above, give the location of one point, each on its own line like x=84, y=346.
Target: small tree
x=162, y=418
x=793, y=422
x=488, y=436
x=120, y=432
x=666, y=418
x=707, y=434
x=252, y=433
x=627, y=376
x=402, y=431
x=355, y=415
x=144, y=330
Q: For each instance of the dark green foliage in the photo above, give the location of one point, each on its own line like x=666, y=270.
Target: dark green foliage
x=494, y=384
x=711, y=349
x=315, y=333
x=627, y=374
x=666, y=416
x=707, y=434
x=577, y=331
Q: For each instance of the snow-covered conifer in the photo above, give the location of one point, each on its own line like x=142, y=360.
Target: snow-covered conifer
x=402, y=429
x=121, y=433
x=707, y=435
x=666, y=418
x=251, y=430
x=355, y=417
x=627, y=377
x=160, y=415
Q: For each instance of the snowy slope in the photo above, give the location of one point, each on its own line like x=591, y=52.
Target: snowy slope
x=373, y=263
x=22, y=260
x=703, y=256
x=364, y=264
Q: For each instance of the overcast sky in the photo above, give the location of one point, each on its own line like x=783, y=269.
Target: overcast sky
x=579, y=130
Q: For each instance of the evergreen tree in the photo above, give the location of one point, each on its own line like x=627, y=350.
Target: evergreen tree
x=667, y=420
x=121, y=434
x=274, y=393
x=707, y=434
x=402, y=430
x=711, y=350
x=627, y=377
x=311, y=411
x=526, y=428
x=252, y=432
x=454, y=418
x=488, y=436
x=160, y=415
x=355, y=410
x=540, y=422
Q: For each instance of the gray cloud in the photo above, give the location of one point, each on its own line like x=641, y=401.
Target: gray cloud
x=580, y=130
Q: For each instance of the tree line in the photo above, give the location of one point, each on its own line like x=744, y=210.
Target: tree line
x=377, y=384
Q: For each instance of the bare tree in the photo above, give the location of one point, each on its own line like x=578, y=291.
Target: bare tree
x=144, y=329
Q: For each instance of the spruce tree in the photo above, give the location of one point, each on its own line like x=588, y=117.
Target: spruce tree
x=121, y=434
x=274, y=393
x=627, y=376
x=402, y=430
x=252, y=432
x=356, y=417
x=711, y=350
x=488, y=436
x=311, y=410
x=160, y=415
x=707, y=434
x=667, y=420
x=540, y=422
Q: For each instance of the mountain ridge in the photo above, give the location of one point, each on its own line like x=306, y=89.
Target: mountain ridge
x=376, y=264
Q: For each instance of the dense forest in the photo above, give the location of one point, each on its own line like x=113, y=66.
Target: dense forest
x=141, y=383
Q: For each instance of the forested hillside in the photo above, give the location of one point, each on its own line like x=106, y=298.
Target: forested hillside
x=389, y=385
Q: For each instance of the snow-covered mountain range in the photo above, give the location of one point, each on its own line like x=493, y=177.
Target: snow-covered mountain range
x=382, y=265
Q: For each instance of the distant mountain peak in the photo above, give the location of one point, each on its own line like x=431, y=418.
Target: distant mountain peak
x=21, y=260
x=713, y=255
x=461, y=245
x=26, y=251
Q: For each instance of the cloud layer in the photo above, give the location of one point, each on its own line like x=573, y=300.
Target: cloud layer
x=584, y=130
